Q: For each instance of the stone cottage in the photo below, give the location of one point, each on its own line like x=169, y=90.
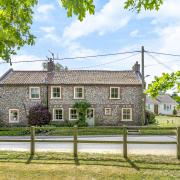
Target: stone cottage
x=115, y=96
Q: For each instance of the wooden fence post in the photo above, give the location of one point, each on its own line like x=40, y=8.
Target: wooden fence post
x=178, y=142
x=125, y=142
x=32, y=140
x=75, y=141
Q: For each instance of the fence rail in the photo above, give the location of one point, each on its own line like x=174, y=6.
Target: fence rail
x=76, y=141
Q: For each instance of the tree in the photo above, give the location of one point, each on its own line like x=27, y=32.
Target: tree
x=58, y=67
x=16, y=18
x=164, y=83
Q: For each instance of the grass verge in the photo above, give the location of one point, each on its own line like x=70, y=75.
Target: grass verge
x=68, y=131
x=20, y=166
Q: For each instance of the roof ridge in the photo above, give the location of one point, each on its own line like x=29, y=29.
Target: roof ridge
x=29, y=71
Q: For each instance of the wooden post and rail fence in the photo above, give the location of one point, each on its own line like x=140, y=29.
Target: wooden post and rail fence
x=124, y=142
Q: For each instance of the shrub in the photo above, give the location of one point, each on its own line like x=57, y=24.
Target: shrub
x=39, y=115
x=150, y=117
x=82, y=107
x=174, y=112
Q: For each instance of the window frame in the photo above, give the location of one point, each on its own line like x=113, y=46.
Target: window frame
x=130, y=115
x=75, y=87
x=112, y=87
x=52, y=92
x=70, y=114
x=10, y=121
x=105, y=111
x=30, y=90
x=93, y=112
x=54, y=114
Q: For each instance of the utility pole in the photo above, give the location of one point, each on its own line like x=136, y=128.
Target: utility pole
x=143, y=83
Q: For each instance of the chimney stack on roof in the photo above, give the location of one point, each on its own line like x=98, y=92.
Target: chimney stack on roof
x=50, y=65
x=136, y=67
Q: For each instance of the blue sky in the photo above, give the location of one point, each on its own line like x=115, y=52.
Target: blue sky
x=112, y=29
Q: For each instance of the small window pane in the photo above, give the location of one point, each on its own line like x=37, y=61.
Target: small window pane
x=90, y=113
x=127, y=113
x=73, y=114
x=56, y=92
x=79, y=92
x=58, y=114
x=114, y=93
x=107, y=111
x=35, y=93
x=14, y=115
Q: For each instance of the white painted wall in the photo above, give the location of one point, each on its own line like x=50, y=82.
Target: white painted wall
x=167, y=111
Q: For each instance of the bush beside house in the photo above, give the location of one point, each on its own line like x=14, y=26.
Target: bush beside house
x=39, y=115
x=150, y=117
x=82, y=107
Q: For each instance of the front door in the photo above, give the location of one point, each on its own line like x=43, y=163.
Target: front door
x=156, y=109
x=90, y=117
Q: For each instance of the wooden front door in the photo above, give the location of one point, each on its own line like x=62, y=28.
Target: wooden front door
x=156, y=109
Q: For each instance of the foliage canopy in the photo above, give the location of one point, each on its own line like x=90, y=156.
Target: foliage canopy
x=16, y=17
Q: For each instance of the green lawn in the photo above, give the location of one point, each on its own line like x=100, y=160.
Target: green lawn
x=52, y=166
x=168, y=121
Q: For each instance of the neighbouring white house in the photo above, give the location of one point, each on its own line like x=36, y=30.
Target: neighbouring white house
x=163, y=104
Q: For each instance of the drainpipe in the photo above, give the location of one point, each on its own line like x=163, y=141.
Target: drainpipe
x=47, y=93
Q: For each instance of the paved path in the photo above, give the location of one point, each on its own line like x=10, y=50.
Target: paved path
x=167, y=149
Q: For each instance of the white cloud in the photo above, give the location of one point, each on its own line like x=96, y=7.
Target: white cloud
x=45, y=8
x=134, y=33
x=48, y=29
x=111, y=18
x=26, y=65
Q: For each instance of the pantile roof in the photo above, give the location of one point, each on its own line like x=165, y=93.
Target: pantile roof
x=71, y=77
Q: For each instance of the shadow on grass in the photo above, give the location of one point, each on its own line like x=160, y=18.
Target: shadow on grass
x=138, y=165
x=133, y=165
x=76, y=160
x=30, y=159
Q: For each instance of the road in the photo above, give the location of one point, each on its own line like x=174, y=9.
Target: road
x=156, y=149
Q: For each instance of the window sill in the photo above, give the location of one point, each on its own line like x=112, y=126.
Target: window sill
x=79, y=98
x=114, y=98
x=57, y=120
x=13, y=122
x=34, y=98
x=55, y=98
x=127, y=120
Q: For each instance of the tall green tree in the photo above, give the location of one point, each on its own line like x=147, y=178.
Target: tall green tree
x=16, y=19
x=15, y=23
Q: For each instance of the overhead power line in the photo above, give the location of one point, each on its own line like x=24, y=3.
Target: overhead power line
x=159, y=61
x=161, y=53
x=78, y=57
x=110, y=62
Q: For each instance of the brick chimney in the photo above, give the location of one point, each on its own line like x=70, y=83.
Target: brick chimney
x=50, y=66
x=136, y=67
